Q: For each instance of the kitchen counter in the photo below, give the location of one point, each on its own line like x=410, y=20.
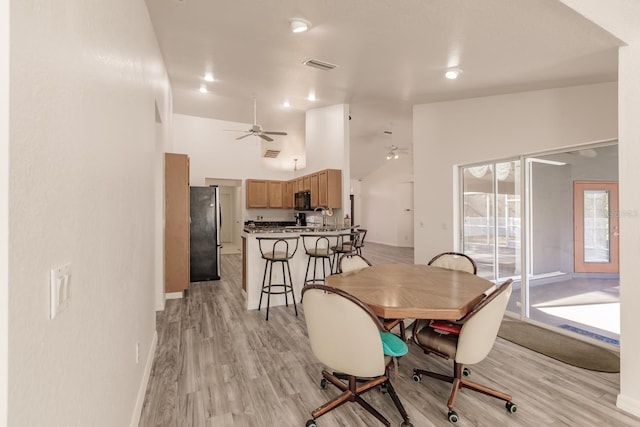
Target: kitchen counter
x=297, y=229
x=254, y=264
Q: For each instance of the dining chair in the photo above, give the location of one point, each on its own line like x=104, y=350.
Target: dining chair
x=351, y=262
x=347, y=337
x=454, y=261
x=476, y=337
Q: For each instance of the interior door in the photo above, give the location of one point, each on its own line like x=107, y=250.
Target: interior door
x=596, y=227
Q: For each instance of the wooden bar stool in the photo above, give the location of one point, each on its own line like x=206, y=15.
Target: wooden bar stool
x=277, y=249
x=318, y=248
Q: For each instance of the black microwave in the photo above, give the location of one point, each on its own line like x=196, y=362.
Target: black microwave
x=303, y=201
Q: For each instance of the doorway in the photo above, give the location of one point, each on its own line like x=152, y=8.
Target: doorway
x=230, y=215
x=596, y=237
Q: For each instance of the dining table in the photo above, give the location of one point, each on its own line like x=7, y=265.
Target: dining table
x=413, y=291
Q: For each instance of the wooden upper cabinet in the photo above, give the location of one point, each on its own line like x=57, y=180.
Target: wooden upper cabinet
x=306, y=186
x=289, y=190
x=325, y=187
x=333, y=187
x=275, y=199
x=322, y=188
x=257, y=193
x=314, y=191
x=176, y=226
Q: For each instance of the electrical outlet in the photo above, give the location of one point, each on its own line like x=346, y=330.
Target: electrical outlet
x=60, y=282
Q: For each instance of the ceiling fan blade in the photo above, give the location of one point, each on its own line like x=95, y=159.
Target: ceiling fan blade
x=234, y=130
x=273, y=133
x=265, y=137
x=244, y=136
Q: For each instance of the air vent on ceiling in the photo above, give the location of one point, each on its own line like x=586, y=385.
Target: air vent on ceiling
x=316, y=63
x=272, y=154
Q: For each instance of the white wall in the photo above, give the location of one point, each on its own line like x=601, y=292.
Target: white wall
x=484, y=129
x=85, y=77
x=4, y=207
x=629, y=153
x=327, y=145
x=383, y=203
x=620, y=17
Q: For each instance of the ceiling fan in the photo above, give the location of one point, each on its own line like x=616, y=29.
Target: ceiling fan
x=393, y=150
x=256, y=129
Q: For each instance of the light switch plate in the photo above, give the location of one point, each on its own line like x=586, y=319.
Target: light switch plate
x=60, y=291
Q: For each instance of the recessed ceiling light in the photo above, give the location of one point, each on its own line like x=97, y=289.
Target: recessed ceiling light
x=208, y=77
x=453, y=73
x=299, y=25
x=312, y=96
x=203, y=89
x=286, y=103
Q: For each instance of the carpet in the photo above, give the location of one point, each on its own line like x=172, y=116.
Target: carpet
x=560, y=347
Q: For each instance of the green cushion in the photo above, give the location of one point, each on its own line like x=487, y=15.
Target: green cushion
x=393, y=345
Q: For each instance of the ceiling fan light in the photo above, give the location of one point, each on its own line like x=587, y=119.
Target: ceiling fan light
x=395, y=156
x=452, y=73
x=208, y=77
x=389, y=156
x=203, y=89
x=299, y=25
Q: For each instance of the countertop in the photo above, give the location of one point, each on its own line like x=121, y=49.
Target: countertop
x=298, y=229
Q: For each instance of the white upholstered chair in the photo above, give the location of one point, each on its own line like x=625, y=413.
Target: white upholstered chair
x=477, y=334
x=345, y=336
x=454, y=261
x=351, y=262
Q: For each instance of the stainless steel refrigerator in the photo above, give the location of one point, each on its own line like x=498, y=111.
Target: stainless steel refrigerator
x=205, y=233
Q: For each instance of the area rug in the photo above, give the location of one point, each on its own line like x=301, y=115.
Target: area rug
x=560, y=347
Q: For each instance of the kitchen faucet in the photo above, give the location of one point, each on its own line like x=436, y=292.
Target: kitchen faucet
x=324, y=215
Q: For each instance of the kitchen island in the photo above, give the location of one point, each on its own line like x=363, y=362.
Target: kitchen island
x=253, y=264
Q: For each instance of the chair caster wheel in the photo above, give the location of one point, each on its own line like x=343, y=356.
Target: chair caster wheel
x=511, y=407
x=323, y=385
x=311, y=423
x=466, y=372
x=406, y=424
x=416, y=378
x=453, y=416
x=383, y=388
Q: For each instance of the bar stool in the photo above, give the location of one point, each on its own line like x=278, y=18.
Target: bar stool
x=281, y=250
x=346, y=244
x=318, y=247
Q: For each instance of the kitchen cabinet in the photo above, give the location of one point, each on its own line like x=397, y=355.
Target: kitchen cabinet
x=262, y=193
x=314, y=191
x=290, y=188
x=176, y=227
x=257, y=193
x=274, y=198
x=325, y=187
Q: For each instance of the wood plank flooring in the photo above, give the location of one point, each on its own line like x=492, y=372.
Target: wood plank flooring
x=218, y=364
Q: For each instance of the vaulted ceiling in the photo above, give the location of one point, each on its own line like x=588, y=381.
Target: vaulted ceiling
x=389, y=54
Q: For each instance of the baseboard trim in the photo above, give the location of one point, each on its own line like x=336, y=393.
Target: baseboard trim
x=137, y=410
x=628, y=404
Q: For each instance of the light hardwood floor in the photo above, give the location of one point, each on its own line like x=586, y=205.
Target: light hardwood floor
x=218, y=364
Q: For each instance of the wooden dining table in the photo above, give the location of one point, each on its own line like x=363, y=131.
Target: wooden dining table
x=416, y=291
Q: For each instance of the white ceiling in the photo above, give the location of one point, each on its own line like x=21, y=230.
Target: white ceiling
x=391, y=54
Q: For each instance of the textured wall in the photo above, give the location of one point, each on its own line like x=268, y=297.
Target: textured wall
x=85, y=79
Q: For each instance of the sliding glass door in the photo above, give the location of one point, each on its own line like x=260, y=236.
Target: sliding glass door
x=565, y=266
x=491, y=218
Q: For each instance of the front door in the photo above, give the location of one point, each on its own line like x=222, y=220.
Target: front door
x=596, y=229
